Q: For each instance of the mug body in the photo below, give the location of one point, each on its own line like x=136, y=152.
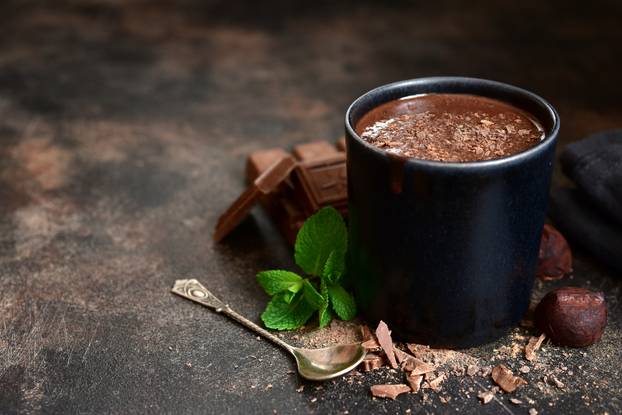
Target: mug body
x=445, y=253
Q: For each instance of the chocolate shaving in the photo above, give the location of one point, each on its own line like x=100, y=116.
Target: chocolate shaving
x=415, y=382
x=506, y=379
x=411, y=364
x=372, y=361
x=418, y=350
x=389, y=391
x=366, y=333
x=401, y=355
x=532, y=346
x=384, y=338
x=371, y=345
x=435, y=384
x=417, y=366
x=472, y=370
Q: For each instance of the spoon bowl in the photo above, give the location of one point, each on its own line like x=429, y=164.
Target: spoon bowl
x=313, y=364
x=328, y=362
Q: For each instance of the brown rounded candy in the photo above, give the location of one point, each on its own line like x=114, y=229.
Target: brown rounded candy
x=572, y=316
x=555, y=258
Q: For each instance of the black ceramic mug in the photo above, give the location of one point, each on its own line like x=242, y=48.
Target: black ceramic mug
x=445, y=253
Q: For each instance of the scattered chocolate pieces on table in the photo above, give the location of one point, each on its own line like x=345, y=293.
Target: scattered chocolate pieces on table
x=292, y=186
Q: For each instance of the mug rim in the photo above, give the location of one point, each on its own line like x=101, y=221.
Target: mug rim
x=548, y=140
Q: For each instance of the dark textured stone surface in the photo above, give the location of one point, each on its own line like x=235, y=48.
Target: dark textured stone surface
x=123, y=133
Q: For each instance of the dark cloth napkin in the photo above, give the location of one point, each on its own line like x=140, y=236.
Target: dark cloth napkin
x=591, y=214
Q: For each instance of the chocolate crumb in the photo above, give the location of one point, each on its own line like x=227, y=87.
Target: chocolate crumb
x=488, y=395
x=435, y=384
x=533, y=345
x=415, y=382
x=556, y=381
x=472, y=370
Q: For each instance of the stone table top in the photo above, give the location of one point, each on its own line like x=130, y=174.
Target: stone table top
x=124, y=127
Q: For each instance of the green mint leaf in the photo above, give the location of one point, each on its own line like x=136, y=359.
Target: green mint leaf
x=288, y=296
x=334, y=267
x=311, y=295
x=276, y=281
x=342, y=301
x=325, y=315
x=322, y=233
x=281, y=315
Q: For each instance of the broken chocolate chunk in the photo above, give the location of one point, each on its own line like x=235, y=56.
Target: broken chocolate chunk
x=291, y=203
x=372, y=361
x=371, y=345
x=384, y=338
x=266, y=183
x=260, y=160
x=435, y=384
x=366, y=333
x=415, y=382
x=389, y=391
x=417, y=366
x=506, y=379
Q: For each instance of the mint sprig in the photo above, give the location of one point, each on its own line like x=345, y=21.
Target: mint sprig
x=320, y=251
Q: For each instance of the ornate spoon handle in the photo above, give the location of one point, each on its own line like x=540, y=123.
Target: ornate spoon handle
x=195, y=291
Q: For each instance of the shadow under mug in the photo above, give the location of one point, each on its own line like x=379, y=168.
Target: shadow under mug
x=445, y=253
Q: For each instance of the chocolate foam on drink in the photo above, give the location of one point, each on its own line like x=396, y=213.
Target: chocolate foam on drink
x=450, y=128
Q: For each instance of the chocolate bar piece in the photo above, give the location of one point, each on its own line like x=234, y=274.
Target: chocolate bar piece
x=260, y=160
x=322, y=182
x=266, y=183
x=341, y=144
x=314, y=150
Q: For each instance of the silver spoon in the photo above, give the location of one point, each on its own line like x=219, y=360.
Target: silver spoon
x=313, y=364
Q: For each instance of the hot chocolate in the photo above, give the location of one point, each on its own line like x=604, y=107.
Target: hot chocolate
x=450, y=128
